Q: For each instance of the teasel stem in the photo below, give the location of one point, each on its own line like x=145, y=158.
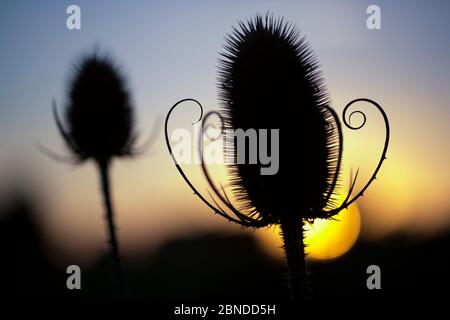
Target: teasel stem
x=292, y=232
x=103, y=166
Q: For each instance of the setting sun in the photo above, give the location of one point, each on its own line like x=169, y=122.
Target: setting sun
x=325, y=239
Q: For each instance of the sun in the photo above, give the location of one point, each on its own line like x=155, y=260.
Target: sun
x=324, y=239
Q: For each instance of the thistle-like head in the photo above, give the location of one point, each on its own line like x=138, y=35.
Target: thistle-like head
x=270, y=79
x=99, y=113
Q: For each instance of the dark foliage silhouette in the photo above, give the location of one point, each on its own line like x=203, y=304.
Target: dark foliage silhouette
x=99, y=120
x=270, y=79
x=235, y=264
x=24, y=271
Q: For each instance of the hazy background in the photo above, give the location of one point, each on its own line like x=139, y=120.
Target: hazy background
x=169, y=51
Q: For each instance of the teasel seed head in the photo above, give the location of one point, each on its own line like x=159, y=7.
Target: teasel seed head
x=270, y=79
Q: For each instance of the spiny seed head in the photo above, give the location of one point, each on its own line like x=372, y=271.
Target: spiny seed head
x=99, y=114
x=269, y=79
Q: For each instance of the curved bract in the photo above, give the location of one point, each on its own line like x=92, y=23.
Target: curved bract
x=249, y=221
x=347, y=201
x=217, y=209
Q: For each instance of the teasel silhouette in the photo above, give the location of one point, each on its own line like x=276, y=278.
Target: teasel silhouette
x=270, y=79
x=99, y=126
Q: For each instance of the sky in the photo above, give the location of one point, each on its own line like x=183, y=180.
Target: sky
x=169, y=51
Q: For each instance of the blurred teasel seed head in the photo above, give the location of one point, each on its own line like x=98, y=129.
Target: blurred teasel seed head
x=99, y=113
x=99, y=126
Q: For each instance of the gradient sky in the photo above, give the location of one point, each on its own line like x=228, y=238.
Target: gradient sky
x=169, y=51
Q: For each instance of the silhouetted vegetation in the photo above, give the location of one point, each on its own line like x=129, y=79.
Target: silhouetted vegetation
x=269, y=79
x=99, y=119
